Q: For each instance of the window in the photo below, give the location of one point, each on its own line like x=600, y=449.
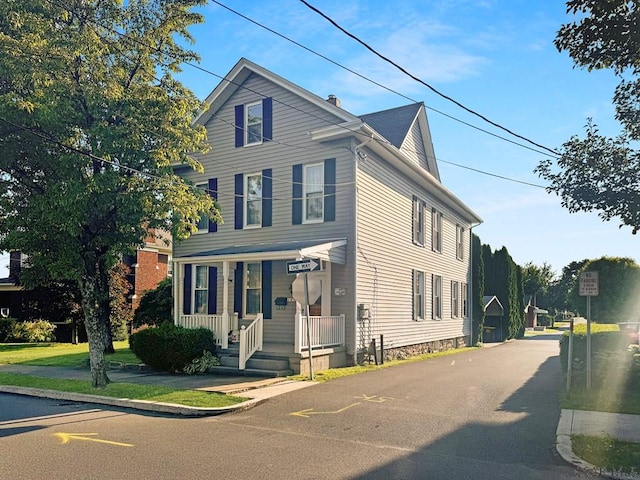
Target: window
x=253, y=288
x=201, y=289
x=418, y=295
x=455, y=299
x=459, y=242
x=437, y=297
x=418, y=221
x=313, y=193
x=203, y=223
x=436, y=230
x=253, y=123
x=464, y=295
x=253, y=199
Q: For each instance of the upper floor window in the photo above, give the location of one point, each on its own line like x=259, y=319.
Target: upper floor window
x=459, y=242
x=253, y=123
x=203, y=223
x=436, y=230
x=253, y=200
x=418, y=221
x=313, y=193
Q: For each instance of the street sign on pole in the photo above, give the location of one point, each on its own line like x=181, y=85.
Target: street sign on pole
x=303, y=266
x=588, y=284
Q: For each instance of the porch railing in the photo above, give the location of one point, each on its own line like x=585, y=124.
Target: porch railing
x=214, y=323
x=326, y=331
x=250, y=341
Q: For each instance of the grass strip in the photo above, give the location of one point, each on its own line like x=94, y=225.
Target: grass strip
x=608, y=453
x=59, y=354
x=602, y=400
x=191, y=398
x=334, y=373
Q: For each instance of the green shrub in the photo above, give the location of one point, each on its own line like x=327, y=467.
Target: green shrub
x=6, y=327
x=32, y=332
x=170, y=348
x=611, y=357
x=202, y=364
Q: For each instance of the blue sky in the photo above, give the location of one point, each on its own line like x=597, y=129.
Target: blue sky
x=495, y=57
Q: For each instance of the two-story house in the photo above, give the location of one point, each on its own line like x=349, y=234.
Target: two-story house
x=297, y=177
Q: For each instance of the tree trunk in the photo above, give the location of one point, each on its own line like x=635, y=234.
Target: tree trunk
x=94, y=289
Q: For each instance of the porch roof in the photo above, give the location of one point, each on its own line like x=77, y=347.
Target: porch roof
x=331, y=250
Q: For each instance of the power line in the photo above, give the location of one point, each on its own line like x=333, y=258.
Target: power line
x=417, y=79
x=364, y=77
x=223, y=78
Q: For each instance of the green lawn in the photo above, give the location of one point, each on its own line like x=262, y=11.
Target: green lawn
x=68, y=355
x=608, y=453
x=59, y=354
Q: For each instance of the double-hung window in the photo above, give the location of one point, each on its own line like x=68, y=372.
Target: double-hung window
x=203, y=223
x=459, y=242
x=201, y=289
x=313, y=193
x=455, y=299
x=418, y=221
x=437, y=297
x=253, y=200
x=418, y=295
x=464, y=293
x=253, y=123
x=436, y=230
x=253, y=288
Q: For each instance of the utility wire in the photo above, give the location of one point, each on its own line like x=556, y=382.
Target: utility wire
x=417, y=79
x=374, y=82
x=224, y=78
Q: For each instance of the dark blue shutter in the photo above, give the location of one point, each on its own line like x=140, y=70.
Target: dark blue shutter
x=267, y=119
x=296, y=203
x=267, y=290
x=213, y=191
x=186, y=299
x=239, y=125
x=212, y=301
x=329, y=189
x=237, y=289
x=267, y=194
x=239, y=201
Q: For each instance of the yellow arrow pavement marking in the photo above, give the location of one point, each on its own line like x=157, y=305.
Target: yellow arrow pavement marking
x=67, y=437
x=309, y=411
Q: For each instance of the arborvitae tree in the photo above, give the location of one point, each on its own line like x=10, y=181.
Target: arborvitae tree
x=477, y=290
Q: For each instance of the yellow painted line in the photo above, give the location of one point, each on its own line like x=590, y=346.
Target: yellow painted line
x=309, y=411
x=67, y=437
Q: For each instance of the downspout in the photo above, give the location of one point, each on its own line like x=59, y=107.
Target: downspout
x=470, y=293
x=356, y=322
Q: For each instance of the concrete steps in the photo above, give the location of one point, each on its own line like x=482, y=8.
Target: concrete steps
x=257, y=366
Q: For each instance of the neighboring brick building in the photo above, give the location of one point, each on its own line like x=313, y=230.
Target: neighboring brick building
x=149, y=266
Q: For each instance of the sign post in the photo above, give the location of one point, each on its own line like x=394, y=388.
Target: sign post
x=304, y=267
x=588, y=283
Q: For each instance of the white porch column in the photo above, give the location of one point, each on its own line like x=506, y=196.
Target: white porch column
x=178, y=291
x=225, y=303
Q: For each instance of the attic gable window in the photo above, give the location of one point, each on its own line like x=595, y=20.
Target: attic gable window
x=253, y=123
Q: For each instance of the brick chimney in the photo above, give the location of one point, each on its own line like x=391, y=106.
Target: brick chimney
x=334, y=100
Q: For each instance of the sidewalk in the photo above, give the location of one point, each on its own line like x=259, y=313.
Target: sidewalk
x=256, y=389
x=618, y=425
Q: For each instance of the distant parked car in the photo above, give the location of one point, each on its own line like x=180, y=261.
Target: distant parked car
x=632, y=329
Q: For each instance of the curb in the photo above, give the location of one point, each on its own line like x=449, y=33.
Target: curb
x=145, y=405
x=565, y=450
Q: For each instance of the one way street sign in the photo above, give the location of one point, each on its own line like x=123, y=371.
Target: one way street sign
x=303, y=266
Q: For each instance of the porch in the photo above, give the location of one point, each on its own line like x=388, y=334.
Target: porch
x=249, y=354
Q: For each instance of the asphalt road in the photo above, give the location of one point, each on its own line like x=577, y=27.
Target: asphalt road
x=485, y=414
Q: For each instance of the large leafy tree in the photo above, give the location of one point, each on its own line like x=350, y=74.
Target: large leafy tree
x=91, y=123
x=599, y=173
x=536, y=279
